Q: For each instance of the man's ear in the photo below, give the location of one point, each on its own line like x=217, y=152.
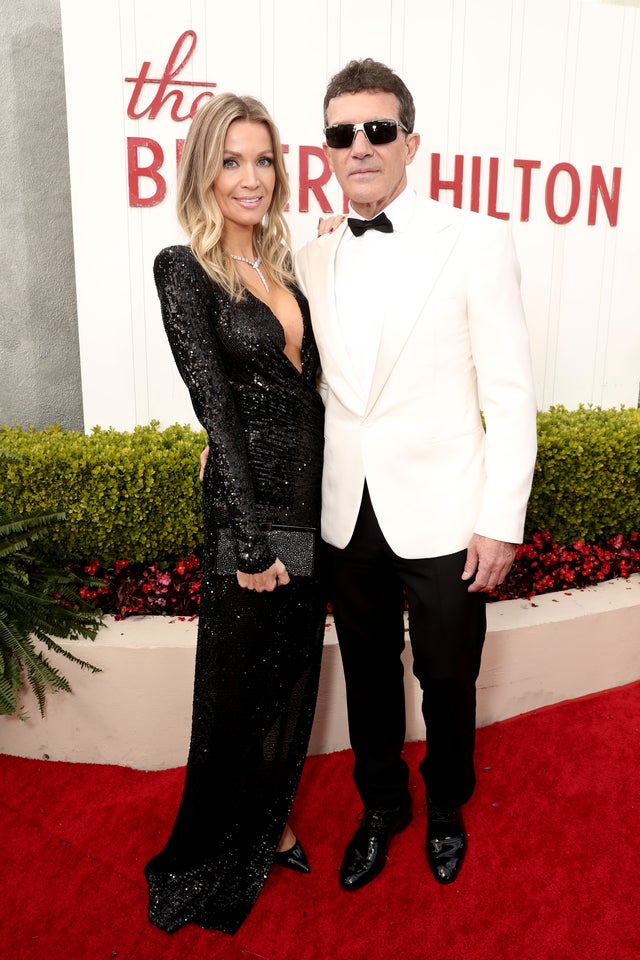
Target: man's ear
x=412, y=143
x=327, y=153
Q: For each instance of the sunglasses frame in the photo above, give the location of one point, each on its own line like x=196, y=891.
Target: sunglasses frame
x=363, y=126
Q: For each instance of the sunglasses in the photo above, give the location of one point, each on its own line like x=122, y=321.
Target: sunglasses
x=341, y=135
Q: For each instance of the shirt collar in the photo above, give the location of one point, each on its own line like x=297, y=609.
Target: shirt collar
x=399, y=210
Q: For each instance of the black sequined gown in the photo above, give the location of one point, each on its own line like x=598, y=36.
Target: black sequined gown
x=258, y=654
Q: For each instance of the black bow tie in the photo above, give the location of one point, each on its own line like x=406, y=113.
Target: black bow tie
x=381, y=222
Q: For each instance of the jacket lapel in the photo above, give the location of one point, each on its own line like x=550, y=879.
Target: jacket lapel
x=336, y=361
x=432, y=235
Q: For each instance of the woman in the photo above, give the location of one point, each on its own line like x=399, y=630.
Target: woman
x=241, y=337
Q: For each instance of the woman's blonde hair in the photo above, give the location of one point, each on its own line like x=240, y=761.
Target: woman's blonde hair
x=198, y=210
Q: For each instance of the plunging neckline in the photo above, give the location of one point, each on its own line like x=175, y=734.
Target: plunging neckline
x=282, y=331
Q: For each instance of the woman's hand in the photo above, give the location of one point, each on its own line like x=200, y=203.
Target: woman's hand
x=329, y=224
x=203, y=461
x=267, y=580
x=275, y=576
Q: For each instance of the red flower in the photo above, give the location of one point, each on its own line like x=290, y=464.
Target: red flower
x=540, y=566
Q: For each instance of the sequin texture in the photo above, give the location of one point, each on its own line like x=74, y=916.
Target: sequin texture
x=258, y=654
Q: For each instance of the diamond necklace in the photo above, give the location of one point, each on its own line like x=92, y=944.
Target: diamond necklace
x=256, y=266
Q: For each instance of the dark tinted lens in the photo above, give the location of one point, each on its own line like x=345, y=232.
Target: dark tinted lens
x=381, y=131
x=340, y=135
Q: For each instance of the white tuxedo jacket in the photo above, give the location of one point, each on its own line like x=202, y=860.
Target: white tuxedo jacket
x=459, y=346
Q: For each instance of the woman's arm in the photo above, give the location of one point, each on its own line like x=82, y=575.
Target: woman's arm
x=187, y=301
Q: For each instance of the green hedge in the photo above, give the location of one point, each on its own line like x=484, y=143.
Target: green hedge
x=587, y=479
x=125, y=495
x=137, y=495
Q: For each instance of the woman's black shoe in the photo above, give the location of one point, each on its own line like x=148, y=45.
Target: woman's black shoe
x=294, y=858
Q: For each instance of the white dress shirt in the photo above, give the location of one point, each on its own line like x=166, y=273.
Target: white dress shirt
x=369, y=287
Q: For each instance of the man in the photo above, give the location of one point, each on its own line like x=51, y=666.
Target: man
x=419, y=322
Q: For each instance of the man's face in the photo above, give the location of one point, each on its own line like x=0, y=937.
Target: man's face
x=371, y=176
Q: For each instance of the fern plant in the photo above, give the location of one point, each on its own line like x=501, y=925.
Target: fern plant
x=38, y=603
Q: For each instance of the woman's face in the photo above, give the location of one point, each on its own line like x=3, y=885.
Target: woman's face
x=244, y=187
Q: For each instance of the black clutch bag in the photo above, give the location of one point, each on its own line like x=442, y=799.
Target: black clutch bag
x=294, y=546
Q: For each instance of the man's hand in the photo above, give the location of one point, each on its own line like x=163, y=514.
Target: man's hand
x=275, y=576
x=490, y=560
x=203, y=462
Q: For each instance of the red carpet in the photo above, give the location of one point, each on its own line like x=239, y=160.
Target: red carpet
x=552, y=871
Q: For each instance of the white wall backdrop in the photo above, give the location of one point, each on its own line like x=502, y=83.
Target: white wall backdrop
x=505, y=90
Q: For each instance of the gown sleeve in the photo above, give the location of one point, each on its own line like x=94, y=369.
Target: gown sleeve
x=187, y=303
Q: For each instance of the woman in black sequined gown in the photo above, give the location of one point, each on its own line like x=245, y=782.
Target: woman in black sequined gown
x=241, y=336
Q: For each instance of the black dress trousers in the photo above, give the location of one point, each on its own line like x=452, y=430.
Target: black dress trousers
x=369, y=585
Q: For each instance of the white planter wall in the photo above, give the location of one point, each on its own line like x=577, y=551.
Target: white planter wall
x=137, y=712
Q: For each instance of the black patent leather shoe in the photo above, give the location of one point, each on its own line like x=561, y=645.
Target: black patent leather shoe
x=446, y=842
x=366, y=852
x=293, y=859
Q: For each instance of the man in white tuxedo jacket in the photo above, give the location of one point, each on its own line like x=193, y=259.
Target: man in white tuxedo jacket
x=417, y=313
